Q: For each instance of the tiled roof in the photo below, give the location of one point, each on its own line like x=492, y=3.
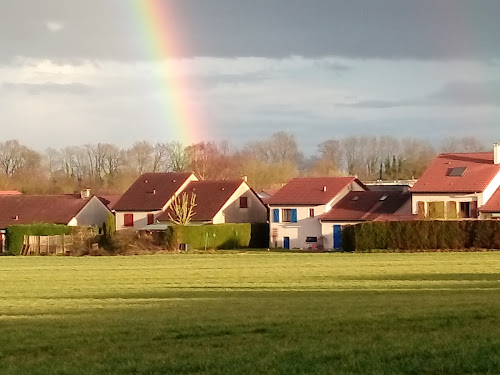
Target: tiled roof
x=493, y=204
x=151, y=191
x=310, y=190
x=109, y=200
x=56, y=209
x=479, y=172
x=210, y=197
x=367, y=206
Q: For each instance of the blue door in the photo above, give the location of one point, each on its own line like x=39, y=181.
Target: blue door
x=286, y=242
x=337, y=237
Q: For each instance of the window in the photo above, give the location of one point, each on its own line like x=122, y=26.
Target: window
x=128, y=220
x=465, y=209
x=151, y=219
x=457, y=171
x=243, y=202
x=311, y=212
x=311, y=239
x=289, y=215
x=276, y=215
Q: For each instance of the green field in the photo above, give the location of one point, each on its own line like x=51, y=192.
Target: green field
x=251, y=313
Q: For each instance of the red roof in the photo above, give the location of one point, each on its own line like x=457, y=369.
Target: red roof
x=493, y=204
x=56, y=209
x=367, y=206
x=151, y=191
x=109, y=200
x=310, y=190
x=479, y=172
x=210, y=197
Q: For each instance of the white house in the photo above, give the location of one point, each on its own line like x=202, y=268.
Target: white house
x=149, y=199
x=457, y=185
x=295, y=210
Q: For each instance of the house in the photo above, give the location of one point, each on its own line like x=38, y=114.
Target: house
x=71, y=210
x=295, y=210
x=149, y=200
x=148, y=197
x=458, y=185
x=220, y=202
x=360, y=206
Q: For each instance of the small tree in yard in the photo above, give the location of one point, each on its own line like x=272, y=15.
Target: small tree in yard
x=182, y=209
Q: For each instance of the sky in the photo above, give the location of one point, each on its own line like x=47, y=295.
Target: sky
x=75, y=72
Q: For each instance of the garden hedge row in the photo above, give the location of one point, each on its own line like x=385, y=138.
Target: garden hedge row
x=422, y=235
x=219, y=236
x=14, y=235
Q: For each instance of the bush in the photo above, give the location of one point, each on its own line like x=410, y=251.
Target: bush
x=422, y=235
x=14, y=234
x=218, y=236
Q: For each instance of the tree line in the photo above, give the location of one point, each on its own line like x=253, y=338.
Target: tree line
x=109, y=169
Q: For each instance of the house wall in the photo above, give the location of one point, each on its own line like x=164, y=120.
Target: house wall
x=95, y=213
x=304, y=227
x=140, y=219
x=232, y=213
x=327, y=231
x=415, y=198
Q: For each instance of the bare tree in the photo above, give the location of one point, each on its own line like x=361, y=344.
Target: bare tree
x=182, y=208
x=140, y=157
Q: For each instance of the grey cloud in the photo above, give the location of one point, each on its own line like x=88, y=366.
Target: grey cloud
x=48, y=87
x=390, y=29
x=452, y=94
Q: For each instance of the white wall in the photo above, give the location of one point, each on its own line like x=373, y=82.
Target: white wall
x=490, y=190
x=95, y=213
x=327, y=231
x=232, y=213
x=140, y=219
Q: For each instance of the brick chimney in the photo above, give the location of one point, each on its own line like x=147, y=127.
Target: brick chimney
x=496, y=153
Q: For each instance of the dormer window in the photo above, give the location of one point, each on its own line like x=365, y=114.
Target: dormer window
x=383, y=197
x=457, y=171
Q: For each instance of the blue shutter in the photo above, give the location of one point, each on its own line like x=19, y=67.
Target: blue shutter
x=276, y=215
x=294, y=215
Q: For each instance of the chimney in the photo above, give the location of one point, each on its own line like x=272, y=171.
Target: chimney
x=324, y=188
x=496, y=153
x=85, y=193
x=244, y=178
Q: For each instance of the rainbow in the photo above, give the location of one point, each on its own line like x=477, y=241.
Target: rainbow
x=161, y=35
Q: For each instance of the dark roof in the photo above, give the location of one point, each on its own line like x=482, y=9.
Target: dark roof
x=442, y=175
x=493, y=204
x=56, y=209
x=367, y=206
x=210, y=197
x=109, y=200
x=310, y=190
x=151, y=191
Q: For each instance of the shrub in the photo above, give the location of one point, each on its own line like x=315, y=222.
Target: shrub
x=422, y=235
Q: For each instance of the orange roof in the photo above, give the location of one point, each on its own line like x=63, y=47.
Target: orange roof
x=473, y=173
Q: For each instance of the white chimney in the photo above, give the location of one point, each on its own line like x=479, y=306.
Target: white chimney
x=324, y=188
x=496, y=153
x=85, y=193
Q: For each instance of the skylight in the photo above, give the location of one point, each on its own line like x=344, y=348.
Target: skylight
x=457, y=171
x=383, y=197
x=355, y=198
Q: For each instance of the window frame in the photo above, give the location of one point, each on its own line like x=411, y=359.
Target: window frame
x=243, y=202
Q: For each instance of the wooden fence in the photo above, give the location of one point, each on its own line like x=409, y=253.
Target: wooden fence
x=38, y=245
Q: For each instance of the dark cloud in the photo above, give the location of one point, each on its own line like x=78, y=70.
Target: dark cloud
x=48, y=87
x=452, y=94
x=389, y=29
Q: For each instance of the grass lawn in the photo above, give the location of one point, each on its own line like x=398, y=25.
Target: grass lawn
x=251, y=313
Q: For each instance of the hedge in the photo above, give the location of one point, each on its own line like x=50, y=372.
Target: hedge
x=422, y=235
x=219, y=236
x=14, y=234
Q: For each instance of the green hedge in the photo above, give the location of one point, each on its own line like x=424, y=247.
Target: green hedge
x=14, y=235
x=218, y=236
x=422, y=235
